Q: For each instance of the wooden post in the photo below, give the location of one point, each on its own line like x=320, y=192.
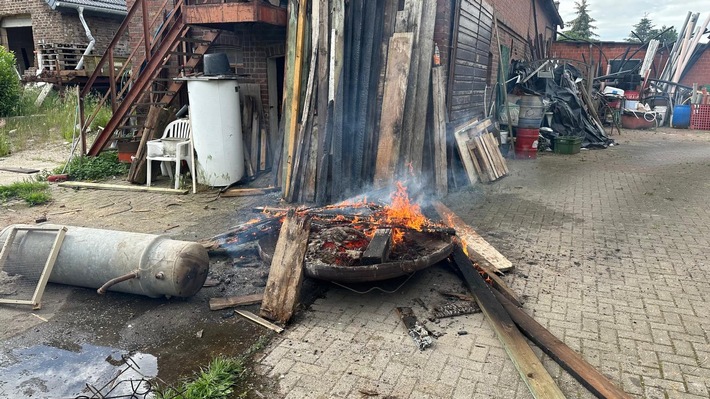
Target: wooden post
x=425, y=53
x=399, y=54
x=296, y=98
x=286, y=274
x=530, y=368
x=439, y=101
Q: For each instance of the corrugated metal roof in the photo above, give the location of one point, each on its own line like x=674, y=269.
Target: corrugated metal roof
x=109, y=6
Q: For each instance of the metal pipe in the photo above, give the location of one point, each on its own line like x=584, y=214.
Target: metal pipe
x=89, y=36
x=91, y=257
x=115, y=281
x=90, y=8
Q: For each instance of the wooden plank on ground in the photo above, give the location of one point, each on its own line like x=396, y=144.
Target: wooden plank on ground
x=439, y=101
x=497, y=282
x=478, y=248
x=258, y=320
x=247, y=192
x=399, y=54
x=378, y=250
x=18, y=169
x=286, y=274
x=118, y=187
x=530, y=368
x=419, y=333
x=570, y=360
x=234, y=301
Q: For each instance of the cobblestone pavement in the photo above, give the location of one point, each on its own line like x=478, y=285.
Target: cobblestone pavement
x=611, y=253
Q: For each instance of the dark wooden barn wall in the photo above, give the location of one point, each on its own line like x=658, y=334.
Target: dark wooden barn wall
x=473, y=27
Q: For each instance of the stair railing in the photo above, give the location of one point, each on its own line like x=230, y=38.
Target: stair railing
x=147, y=42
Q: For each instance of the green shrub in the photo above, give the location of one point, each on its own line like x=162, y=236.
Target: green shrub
x=100, y=167
x=32, y=192
x=9, y=82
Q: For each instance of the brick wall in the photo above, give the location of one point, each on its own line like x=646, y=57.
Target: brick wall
x=515, y=25
x=606, y=51
x=699, y=73
x=53, y=26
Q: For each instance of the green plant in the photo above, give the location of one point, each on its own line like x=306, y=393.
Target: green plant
x=32, y=192
x=216, y=381
x=95, y=168
x=9, y=82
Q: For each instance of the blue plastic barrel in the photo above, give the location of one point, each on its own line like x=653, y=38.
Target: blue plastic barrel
x=681, y=116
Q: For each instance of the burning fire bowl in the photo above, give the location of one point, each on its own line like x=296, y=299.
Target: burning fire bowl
x=418, y=251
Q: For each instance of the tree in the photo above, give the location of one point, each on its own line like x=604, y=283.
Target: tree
x=9, y=82
x=642, y=30
x=645, y=30
x=581, y=28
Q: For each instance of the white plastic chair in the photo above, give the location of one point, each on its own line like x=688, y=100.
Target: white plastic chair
x=178, y=129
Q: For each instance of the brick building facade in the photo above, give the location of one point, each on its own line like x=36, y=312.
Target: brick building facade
x=604, y=53
x=26, y=23
x=473, y=71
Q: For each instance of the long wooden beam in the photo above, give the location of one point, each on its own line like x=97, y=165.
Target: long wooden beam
x=568, y=359
x=538, y=380
x=477, y=246
x=253, y=11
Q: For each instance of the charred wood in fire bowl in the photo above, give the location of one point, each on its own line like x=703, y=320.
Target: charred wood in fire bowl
x=241, y=234
x=378, y=250
x=286, y=274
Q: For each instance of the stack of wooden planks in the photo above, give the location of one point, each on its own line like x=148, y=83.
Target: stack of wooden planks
x=358, y=99
x=479, y=152
x=257, y=147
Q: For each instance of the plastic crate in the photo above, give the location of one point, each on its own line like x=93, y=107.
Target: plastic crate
x=568, y=144
x=700, y=117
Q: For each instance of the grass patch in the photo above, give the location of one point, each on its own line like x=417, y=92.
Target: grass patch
x=54, y=120
x=216, y=381
x=32, y=192
x=104, y=165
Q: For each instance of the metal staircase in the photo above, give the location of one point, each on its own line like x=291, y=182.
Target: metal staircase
x=170, y=49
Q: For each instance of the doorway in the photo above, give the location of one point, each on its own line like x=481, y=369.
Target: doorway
x=18, y=37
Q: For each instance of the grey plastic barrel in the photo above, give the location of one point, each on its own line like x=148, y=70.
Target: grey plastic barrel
x=92, y=257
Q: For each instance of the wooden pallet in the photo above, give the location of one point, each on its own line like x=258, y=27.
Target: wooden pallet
x=479, y=152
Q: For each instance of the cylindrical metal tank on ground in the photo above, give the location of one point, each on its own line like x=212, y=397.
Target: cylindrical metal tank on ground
x=216, y=129
x=92, y=257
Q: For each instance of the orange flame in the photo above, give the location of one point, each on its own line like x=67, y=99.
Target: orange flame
x=403, y=212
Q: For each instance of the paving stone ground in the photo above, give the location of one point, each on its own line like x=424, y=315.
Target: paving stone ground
x=611, y=252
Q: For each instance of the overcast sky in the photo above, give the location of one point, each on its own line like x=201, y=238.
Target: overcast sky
x=616, y=18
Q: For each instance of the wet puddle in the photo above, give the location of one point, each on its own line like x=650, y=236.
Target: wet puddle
x=44, y=371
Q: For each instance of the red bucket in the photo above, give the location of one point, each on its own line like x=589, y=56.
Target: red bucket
x=526, y=143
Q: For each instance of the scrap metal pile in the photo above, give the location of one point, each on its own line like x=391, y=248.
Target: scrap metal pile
x=566, y=97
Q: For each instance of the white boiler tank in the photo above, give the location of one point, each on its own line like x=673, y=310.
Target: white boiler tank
x=216, y=129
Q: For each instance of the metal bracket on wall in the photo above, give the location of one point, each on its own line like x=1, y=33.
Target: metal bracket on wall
x=16, y=275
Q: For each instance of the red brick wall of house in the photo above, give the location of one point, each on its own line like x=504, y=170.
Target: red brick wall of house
x=255, y=42
x=52, y=26
x=609, y=51
x=699, y=73
x=515, y=24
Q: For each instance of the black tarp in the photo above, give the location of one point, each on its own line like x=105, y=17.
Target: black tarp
x=560, y=93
